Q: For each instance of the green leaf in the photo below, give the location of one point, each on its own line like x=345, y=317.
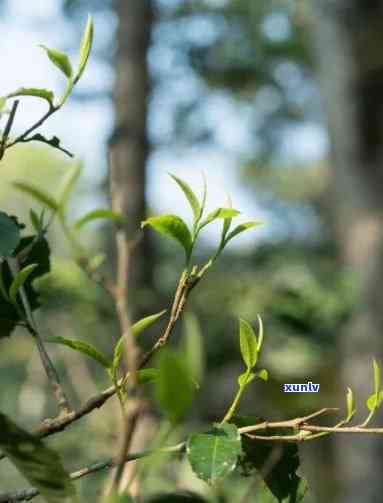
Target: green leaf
x=9, y=235
x=183, y=497
x=174, y=227
x=374, y=401
x=227, y=221
x=119, y=498
x=147, y=376
x=245, y=379
x=262, y=374
x=3, y=103
x=377, y=376
x=350, y=401
x=40, y=465
x=214, y=455
x=96, y=261
x=38, y=194
x=83, y=347
x=31, y=250
x=204, y=193
x=137, y=328
x=174, y=389
x=3, y=290
x=282, y=480
x=248, y=344
x=146, y=322
x=19, y=281
x=190, y=196
x=241, y=228
x=59, y=59
x=85, y=48
x=97, y=215
x=36, y=92
x=68, y=184
x=260, y=333
x=223, y=213
x=193, y=346
x=35, y=220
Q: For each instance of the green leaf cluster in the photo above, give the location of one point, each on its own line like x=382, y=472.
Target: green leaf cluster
x=174, y=226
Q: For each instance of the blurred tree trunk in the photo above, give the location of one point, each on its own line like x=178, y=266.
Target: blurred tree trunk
x=349, y=44
x=129, y=146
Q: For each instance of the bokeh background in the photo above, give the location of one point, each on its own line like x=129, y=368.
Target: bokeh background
x=254, y=94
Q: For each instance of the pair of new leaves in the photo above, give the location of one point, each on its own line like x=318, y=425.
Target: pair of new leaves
x=174, y=227
x=373, y=402
x=63, y=63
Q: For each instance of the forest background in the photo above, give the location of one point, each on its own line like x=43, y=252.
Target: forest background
x=230, y=88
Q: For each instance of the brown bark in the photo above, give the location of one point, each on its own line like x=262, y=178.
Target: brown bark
x=349, y=44
x=129, y=145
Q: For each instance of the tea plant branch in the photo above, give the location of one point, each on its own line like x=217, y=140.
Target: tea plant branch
x=8, y=128
x=53, y=142
x=131, y=410
x=185, y=285
x=299, y=422
x=50, y=370
x=28, y=494
x=51, y=110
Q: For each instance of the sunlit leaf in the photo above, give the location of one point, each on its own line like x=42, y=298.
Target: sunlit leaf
x=36, y=92
x=137, y=328
x=85, y=48
x=59, y=59
x=223, y=213
x=184, y=497
x=174, y=227
x=377, y=376
x=82, y=347
x=241, y=228
x=38, y=194
x=190, y=196
x=19, y=280
x=350, y=400
x=260, y=333
x=374, y=401
x=262, y=374
x=68, y=184
x=35, y=220
x=248, y=344
x=246, y=378
x=40, y=465
x=214, y=455
x=99, y=214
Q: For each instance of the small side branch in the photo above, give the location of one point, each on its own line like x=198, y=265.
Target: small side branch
x=28, y=494
x=8, y=128
x=50, y=370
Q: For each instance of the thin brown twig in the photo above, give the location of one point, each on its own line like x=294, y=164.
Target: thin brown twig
x=52, y=109
x=132, y=410
x=8, y=128
x=50, y=369
x=344, y=429
x=28, y=494
x=289, y=423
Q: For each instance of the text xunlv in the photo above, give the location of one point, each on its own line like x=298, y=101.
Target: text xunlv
x=301, y=388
